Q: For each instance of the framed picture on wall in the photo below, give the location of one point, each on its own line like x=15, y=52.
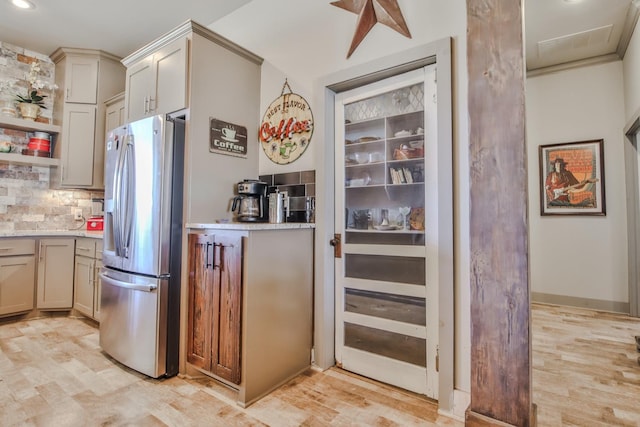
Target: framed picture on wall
x=572, y=178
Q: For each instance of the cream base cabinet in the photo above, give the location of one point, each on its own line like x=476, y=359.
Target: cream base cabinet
x=86, y=296
x=87, y=78
x=55, y=274
x=17, y=275
x=157, y=83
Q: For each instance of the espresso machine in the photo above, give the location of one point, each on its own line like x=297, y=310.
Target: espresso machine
x=250, y=205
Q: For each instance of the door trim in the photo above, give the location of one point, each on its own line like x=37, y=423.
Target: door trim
x=324, y=311
x=632, y=159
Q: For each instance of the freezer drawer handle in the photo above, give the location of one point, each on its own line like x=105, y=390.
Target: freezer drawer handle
x=133, y=286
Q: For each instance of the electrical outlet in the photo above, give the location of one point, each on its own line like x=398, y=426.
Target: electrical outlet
x=77, y=214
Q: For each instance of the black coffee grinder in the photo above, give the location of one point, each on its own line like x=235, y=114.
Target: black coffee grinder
x=250, y=205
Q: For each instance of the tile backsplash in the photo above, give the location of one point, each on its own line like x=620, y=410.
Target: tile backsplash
x=301, y=189
x=27, y=203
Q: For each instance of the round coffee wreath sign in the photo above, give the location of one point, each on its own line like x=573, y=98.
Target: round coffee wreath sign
x=286, y=128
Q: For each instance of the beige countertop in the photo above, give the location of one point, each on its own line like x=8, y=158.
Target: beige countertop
x=52, y=233
x=249, y=226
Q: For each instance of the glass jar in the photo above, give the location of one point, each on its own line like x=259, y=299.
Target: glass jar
x=7, y=106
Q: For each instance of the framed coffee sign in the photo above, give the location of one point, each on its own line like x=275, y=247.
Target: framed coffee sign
x=227, y=138
x=286, y=129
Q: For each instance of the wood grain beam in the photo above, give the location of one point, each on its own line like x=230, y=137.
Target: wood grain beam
x=500, y=313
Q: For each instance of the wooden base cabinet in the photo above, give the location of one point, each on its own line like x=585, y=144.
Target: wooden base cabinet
x=215, y=292
x=55, y=274
x=17, y=275
x=250, y=305
x=86, y=283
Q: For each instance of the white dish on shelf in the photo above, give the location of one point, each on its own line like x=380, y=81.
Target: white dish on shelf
x=386, y=227
x=402, y=133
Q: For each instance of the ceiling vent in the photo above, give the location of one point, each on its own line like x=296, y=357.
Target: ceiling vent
x=584, y=39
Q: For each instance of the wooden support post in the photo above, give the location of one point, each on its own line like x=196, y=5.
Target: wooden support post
x=500, y=313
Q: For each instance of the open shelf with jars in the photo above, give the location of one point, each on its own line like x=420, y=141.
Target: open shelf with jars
x=23, y=125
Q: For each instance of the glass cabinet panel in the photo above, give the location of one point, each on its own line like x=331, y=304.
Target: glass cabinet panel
x=384, y=168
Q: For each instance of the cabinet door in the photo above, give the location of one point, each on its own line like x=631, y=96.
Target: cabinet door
x=83, y=297
x=97, y=291
x=170, y=69
x=17, y=283
x=78, y=144
x=200, y=300
x=114, y=116
x=55, y=274
x=81, y=80
x=386, y=292
x=139, y=84
x=227, y=307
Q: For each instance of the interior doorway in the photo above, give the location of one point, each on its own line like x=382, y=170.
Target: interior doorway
x=440, y=253
x=386, y=286
x=632, y=166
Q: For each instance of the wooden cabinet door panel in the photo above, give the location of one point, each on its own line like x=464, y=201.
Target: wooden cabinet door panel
x=78, y=145
x=17, y=283
x=170, y=68
x=227, y=308
x=83, y=297
x=55, y=273
x=81, y=82
x=138, y=88
x=200, y=296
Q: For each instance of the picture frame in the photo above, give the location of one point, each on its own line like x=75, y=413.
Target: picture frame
x=572, y=178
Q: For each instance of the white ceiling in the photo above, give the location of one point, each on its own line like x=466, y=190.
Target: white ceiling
x=122, y=26
x=116, y=26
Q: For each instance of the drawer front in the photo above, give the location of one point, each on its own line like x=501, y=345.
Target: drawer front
x=9, y=247
x=86, y=247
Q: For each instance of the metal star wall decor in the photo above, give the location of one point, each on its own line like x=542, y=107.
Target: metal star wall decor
x=369, y=13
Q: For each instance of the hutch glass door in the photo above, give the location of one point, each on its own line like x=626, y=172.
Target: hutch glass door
x=386, y=311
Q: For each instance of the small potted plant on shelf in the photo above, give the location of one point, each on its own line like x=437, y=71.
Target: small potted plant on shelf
x=31, y=104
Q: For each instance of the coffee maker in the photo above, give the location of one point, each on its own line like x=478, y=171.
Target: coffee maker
x=251, y=201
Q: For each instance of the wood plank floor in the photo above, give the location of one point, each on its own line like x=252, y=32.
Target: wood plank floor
x=585, y=367
x=52, y=373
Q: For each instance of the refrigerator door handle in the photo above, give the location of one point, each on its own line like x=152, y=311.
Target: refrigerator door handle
x=130, y=196
x=117, y=195
x=146, y=287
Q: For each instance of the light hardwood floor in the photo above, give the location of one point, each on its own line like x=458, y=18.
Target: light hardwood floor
x=52, y=373
x=585, y=367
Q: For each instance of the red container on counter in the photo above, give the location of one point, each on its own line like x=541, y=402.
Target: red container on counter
x=95, y=223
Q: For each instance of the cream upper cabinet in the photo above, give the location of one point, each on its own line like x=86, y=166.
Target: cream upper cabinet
x=114, y=115
x=87, y=78
x=81, y=79
x=157, y=83
x=78, y=129
x=55, y=274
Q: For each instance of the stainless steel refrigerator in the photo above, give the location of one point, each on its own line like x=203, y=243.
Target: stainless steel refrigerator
x=140, y=297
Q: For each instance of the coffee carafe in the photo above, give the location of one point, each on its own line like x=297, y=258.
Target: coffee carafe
x=250, y=203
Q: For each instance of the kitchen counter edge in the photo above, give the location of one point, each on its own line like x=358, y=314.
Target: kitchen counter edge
x=52, y=233
x=250, y=226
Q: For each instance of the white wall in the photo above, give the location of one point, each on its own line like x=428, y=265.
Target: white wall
x=579, y=256
x=309, y=40
x=631, y=70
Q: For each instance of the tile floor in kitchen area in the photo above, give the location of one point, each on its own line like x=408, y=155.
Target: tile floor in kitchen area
x=53, y=373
